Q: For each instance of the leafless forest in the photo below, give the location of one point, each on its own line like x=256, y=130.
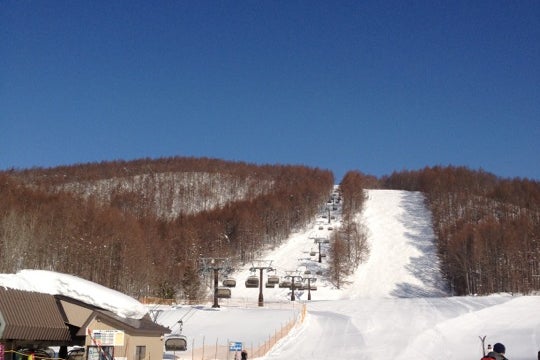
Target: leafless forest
x=141, y=226
x=488, y=228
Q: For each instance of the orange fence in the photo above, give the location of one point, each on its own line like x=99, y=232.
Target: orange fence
x=216, y=351
x=156, y=300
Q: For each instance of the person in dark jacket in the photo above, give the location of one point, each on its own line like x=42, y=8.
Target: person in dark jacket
x=498, y=352
x=243, y=355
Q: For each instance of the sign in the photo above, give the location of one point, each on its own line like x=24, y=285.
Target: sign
x=108, y=337
x=235, y=346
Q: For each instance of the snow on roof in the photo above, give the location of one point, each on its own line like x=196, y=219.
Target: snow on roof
x=50, y=282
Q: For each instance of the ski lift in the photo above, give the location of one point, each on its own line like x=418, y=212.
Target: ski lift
x=252, y=281
x=269, y=285
x=229, y=282
x=312, y=253
x=273, y=279
x=285, y=283
x=307, y=272
x=319, y=272
x=176, y=342
x=298, y=286
x=224, y=292
x=313, y=287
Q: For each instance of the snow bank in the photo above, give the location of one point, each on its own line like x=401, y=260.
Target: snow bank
x=54, y=283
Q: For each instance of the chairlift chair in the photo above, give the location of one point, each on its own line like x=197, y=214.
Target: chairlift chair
x=273, y=279
x=285, y=283
x=269, y=285
x=298, y=284
x=229, y=282
x=252, y=281
x=224, y=292
x=176, y=342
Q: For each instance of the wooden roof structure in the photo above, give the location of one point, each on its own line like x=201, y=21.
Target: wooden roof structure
x=26, y=315
x=58, y=319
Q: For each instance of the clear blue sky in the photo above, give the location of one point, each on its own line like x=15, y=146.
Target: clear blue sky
x=374, y=86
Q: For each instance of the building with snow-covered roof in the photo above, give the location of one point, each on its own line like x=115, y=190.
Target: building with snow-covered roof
x=30, y=321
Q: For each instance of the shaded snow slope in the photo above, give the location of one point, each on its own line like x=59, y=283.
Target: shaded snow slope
x=402, y=258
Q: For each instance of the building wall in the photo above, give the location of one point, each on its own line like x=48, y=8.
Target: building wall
x=77, y=315
x=127, y=349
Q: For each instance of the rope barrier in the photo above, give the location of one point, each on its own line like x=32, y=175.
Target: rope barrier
x=31, y=356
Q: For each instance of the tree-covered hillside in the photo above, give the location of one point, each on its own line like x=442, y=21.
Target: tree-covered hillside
x=141, y=226
x=488, y=228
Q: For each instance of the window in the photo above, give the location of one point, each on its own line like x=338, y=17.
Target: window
x=100, y=352
x=140, y=352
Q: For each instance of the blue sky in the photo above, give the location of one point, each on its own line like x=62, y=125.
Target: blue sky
x=374, y=86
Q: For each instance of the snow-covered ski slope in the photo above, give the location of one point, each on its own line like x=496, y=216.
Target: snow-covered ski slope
x=402, y=259
x=395, y=304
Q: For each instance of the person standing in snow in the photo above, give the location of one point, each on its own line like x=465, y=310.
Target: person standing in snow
x=243, y=355
x=498, y=352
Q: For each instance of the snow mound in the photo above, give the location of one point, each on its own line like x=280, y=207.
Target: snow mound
x=54, y=283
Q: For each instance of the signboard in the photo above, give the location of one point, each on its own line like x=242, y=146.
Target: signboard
x=108, y=337
x=235, y=346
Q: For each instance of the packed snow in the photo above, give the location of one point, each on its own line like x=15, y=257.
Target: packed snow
x=395, y=305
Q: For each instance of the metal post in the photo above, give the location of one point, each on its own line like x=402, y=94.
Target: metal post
x=329, y=215
x=293, y=277
x=261, y=268
x=261, y=299
x=216, y=305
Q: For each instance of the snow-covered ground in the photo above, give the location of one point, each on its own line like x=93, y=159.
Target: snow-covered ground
x=393, y=306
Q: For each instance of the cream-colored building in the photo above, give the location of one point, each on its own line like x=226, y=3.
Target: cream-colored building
x=32, y=321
